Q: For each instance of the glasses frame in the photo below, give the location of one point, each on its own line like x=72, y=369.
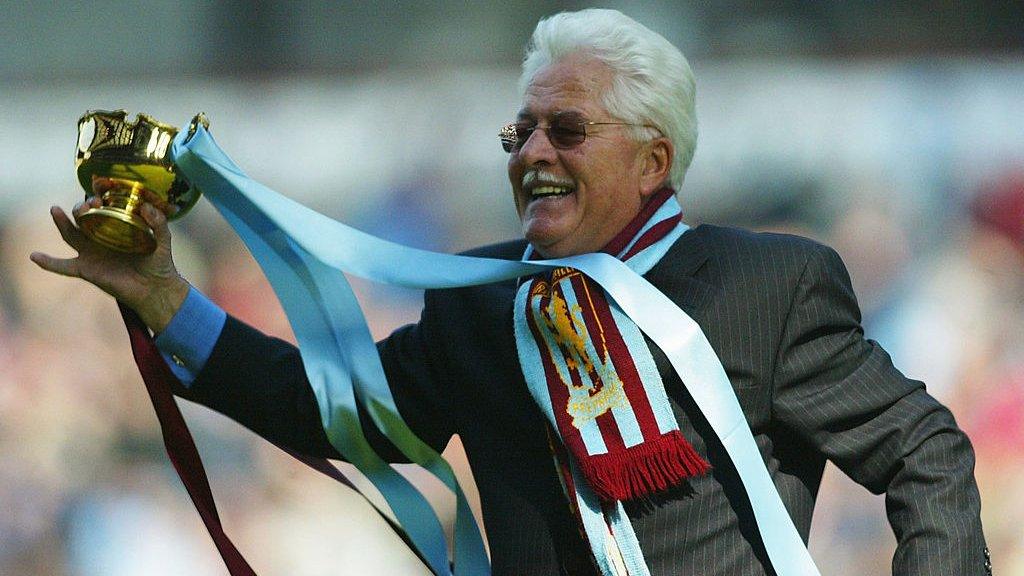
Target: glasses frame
x=509, y=134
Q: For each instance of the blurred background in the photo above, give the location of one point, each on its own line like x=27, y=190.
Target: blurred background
x=891, y=131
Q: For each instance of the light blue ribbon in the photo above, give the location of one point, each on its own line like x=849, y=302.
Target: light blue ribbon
x=304, y=255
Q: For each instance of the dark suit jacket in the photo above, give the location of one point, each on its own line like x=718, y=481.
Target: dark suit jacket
x=780, y=313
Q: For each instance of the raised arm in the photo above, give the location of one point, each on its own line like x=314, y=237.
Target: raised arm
x=255, y=379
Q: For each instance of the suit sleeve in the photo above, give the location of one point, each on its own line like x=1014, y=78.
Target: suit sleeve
x=260, y=382
x=841, y=393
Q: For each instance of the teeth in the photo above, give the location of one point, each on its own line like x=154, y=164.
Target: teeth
x=550, y=190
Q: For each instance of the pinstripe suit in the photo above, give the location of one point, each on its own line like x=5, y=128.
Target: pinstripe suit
x=782, y=317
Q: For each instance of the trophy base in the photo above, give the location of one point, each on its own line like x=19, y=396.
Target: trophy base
x=118, y=230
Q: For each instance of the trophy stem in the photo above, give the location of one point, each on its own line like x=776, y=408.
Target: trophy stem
x=117, y=224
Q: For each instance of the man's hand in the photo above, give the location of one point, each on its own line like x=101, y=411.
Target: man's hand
x=147, y=283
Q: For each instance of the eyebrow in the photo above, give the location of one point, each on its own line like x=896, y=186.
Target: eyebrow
x=526, y=115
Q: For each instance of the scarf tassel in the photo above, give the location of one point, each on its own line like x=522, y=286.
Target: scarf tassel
x=644, y=469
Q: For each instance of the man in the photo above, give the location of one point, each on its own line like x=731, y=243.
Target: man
x=532, y=375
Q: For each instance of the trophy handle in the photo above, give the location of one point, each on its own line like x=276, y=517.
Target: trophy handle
x=197, y=120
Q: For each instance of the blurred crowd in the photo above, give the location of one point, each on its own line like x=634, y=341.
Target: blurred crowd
x=910, y=181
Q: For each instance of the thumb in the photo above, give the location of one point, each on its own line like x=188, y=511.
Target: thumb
x=158, y=222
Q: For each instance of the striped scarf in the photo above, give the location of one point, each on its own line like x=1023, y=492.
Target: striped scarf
x=589, y=369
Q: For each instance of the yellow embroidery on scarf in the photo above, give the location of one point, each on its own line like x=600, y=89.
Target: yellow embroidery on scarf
x=569, y=331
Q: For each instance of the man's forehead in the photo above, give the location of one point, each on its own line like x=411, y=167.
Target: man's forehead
x=574, y=83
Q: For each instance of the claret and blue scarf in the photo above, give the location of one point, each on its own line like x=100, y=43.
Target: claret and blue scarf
x=588, y=367
x=579, y=324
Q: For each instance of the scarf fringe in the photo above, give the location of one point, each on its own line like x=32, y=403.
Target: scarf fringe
x=644, y=469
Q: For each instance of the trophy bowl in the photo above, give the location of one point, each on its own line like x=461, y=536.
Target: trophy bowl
x=127, y=163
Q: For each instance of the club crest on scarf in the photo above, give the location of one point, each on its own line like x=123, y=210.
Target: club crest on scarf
x=584, y=367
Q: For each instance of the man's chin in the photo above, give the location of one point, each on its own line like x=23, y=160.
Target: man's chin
x=551, y=227
x=540, y=242
x=550, y=245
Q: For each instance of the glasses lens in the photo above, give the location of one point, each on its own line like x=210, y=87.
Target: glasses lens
x=564, y=132
x=567, y=131
x=513, y=136
x=508, y=137
x=523, y=132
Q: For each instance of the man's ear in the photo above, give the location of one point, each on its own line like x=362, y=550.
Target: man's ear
x=657, y=164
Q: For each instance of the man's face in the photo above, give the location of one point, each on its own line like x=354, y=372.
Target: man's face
x=597, y=184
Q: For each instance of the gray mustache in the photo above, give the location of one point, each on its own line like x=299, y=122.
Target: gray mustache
x=534, y=176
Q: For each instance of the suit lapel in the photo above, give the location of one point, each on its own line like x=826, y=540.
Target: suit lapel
x=675, y=274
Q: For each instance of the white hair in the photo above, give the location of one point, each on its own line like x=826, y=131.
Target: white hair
x=652, y=81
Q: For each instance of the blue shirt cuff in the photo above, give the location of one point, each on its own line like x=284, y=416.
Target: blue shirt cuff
x=188, y=340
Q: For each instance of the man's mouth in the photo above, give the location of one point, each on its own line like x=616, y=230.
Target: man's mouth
x=548, y=191
x=542, y=184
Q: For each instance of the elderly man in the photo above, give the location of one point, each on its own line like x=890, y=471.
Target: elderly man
x=556, y=393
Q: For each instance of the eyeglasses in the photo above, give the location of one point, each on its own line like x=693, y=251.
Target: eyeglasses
x=564, y=131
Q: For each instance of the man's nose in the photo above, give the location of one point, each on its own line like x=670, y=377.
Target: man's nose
x=537, y=148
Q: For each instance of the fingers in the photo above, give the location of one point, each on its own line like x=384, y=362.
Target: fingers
x=62, y=266
x=68, y=231
x=157, y=220
x=86, y=205
x=101, y=184
x=161, y=204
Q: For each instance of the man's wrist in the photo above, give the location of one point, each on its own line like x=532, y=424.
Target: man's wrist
x=187, y=341
x=157, y=310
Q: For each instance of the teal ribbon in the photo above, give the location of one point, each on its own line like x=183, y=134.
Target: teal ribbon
x=305, y=255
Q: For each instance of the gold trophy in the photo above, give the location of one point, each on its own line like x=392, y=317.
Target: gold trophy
x=127, y=163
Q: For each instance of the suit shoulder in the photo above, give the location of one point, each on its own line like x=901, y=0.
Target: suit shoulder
x=725, y=241
x=510, y=250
